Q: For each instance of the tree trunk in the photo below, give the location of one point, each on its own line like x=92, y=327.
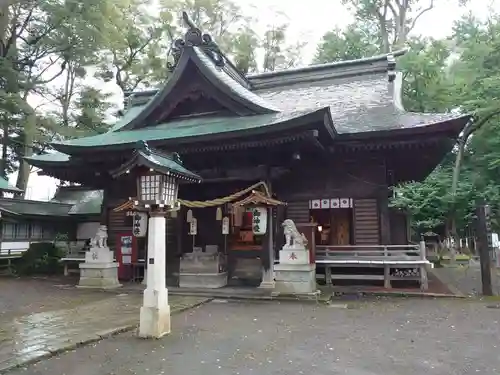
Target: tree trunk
x=27, y=150
x=5, y=143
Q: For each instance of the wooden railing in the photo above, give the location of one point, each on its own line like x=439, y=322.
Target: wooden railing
x=389, y=257
x=11, y=253
x=389, y=252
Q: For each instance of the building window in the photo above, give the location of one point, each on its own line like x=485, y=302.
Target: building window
x=15, y=231
x=8, y=231
x=22, y=231
x=36, y=231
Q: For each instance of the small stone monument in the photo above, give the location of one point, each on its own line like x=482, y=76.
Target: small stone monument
x=294, y=274
x=203, y=269
x=99, y=269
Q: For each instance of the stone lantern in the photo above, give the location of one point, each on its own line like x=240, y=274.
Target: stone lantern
x=158, y=176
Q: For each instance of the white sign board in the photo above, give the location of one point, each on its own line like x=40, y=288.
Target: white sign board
x=140, y=224
x=225, y=225
x=193, y=227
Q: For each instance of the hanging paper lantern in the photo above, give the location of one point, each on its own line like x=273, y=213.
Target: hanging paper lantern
x=218, y=214
x=189, y=216
x=259, y=220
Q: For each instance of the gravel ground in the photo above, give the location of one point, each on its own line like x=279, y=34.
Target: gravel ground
x=467, y=279
x=411, y=337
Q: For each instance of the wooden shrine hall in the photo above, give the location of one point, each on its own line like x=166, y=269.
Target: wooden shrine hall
x=328, y=140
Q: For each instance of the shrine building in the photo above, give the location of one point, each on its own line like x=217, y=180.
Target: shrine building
x=329, y=141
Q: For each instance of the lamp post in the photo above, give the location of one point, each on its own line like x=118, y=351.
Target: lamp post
x=157, y=193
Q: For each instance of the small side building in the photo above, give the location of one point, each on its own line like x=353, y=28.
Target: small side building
x=71, y=218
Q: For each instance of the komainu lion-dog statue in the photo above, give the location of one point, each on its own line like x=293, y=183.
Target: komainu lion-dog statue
x=293, y=238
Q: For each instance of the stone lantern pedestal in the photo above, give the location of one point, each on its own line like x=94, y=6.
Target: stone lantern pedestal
x=155, y=310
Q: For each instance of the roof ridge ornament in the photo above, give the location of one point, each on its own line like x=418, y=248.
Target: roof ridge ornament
x=144, y=147
x=194, y=37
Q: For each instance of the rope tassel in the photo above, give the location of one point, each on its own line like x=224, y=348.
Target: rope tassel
x=218, y=214
x=189, y=216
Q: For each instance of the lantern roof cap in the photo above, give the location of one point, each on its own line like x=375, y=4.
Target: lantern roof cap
x=145, y=156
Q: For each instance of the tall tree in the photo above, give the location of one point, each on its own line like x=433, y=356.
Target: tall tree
x=279, y=53
x=358, y=40
x=395, y=19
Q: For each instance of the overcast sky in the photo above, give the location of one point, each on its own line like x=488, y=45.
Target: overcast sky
x=309, y=24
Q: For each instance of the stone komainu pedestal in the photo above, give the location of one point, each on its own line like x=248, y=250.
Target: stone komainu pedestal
x=202, y=269
x=294, y=274
x=99, y=269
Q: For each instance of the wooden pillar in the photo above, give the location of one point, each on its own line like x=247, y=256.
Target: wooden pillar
x=268, y=257
x=385, y=224
x=104, y=207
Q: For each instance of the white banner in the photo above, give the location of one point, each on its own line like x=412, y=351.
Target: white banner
x=140, y=224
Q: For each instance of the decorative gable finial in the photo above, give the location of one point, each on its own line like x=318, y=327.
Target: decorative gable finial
x=195, y=38
x=177, y=158
x=143, y=146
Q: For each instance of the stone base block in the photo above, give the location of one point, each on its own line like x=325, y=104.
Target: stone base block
x=295, y=279
x=294, y=256
x=267, y=285
x=154, y=322
x=99, y=275
x=203, y=280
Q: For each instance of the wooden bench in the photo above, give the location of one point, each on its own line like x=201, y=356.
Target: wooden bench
x=6, y=258
x=388, y=257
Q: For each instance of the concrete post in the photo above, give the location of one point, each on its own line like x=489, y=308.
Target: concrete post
x=155, y=310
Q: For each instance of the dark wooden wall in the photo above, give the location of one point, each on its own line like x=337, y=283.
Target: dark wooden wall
x=364, y=180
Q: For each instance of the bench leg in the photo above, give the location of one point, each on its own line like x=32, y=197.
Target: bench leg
x=66, y=273
x=424, y=281
x=387, y=277
x=328, y=275
x=9, y=267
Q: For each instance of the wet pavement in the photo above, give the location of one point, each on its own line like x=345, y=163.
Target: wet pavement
x=67, y=318
x=385, y=337
x=21, y=296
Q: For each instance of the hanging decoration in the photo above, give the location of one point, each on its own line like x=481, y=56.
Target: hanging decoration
x=189, y=216
x=210, y=203
x=193, y=227
x=140, y=224
x=238, y=216
x=173, y=214
x=218, y=214
x=225, y=225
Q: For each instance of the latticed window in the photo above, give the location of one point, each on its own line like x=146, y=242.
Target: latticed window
x=150, y=187
x=158, y=189
x=169, y=190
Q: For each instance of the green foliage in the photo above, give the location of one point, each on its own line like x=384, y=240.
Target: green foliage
x=40, y=259
x=356, y=41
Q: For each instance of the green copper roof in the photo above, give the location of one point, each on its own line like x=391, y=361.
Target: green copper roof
x=89, y=204
x=218, y=76
x=35, y=208
x=6, y=186
x=150, y=158
x=129, y=115
x=183, y=129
